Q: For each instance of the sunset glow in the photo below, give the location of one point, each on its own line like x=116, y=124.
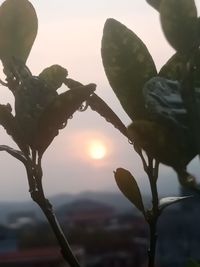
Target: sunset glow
x=96, y=149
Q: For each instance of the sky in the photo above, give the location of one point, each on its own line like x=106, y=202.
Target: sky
x=70, y=34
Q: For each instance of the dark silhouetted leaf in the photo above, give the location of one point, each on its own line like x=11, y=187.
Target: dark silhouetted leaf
x=98, y=105
x=128, y=65
x=7, y=120
x=154, y=3
x=18, y=29
x=54, y=76
x=175, y=67
x=128, y=186
x=13, y=152
x=71, y=84
x=167, y=201
x=180, y=24
x=166, y=143
x=56, y=115
x=31, y=99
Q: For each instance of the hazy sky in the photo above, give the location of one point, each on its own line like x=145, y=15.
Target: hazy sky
x=70, y=34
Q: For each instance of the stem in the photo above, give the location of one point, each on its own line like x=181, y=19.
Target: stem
x=154, y=190
x=37, y=194
x=152, y=247
x=151, y=216
x=154, y=215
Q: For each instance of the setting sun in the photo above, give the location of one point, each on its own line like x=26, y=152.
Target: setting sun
x=96, y=149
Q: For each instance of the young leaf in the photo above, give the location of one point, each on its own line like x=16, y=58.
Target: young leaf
x=168, y=201
x=18, y=29
x=179, y=21
x=128, y=186
x=54, y=76
x=128, y=65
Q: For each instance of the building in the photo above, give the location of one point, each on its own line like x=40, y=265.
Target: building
x=86, y=213
x=38, y=257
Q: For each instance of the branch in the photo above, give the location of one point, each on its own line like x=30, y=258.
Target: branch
x=37, y=194
x=15, y=153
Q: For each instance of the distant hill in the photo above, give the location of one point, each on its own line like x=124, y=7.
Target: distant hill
x=115, y=200
x=7, y=208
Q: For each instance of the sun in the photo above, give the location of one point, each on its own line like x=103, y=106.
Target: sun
x=97, y=149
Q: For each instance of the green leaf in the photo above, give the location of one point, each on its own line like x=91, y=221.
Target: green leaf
x=54, y=76
x=179, y=23
x=57, y=113
x=192, y=263
x=168, y=201
x=128, y=65
x=18, y=29
x=128, y=186
x=154, y=3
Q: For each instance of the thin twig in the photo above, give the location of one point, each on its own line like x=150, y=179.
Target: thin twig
x=139, y=151
x=152, y=216
x=13, y=152
x=156, y=170
x=3, y=83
